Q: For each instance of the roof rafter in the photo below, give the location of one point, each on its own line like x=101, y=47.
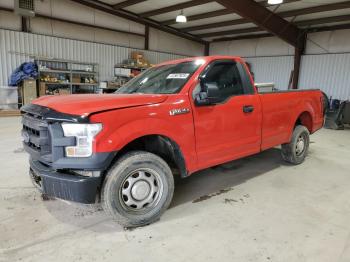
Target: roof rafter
x=200, y=16
x=297, y=12
x=133, y=17
x=176, y=7
x=310, y=22
x=127, y=3
x=218, y=13
x=267, y=20
x=309, y=30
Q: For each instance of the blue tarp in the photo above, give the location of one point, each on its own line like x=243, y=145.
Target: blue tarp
x=24, y=71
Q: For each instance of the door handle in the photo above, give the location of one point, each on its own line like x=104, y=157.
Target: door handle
x=248, y=109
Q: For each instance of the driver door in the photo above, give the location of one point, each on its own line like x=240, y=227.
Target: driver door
x=231, y=128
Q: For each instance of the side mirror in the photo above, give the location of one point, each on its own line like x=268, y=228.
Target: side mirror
x=209, y=94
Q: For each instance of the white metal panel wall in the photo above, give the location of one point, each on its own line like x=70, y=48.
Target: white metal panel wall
x=60, y=48
x=258, y=47
x=328, y=72
x=328, y=42
x=326, y=64
x=10, y=21
x=271, y=58
x=162, y=41
x=272, y=69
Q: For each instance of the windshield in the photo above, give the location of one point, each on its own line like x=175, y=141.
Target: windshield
x=166, y=79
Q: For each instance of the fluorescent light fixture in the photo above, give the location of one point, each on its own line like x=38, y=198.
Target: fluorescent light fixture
x=274, y=2
x=181, y=18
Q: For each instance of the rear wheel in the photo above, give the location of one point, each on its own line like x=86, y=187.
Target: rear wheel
x=296, y=151
x=138, y=189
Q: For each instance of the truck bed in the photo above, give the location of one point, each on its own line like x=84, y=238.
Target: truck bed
x=283, y=107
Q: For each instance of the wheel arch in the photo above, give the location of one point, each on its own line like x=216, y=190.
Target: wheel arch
x=305, y=119
x=160, y=145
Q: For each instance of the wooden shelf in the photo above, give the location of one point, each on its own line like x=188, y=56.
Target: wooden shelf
x=70, y=83
x=85, y=84
x=56, y=71
x=131, y=67
x=8, y=113
x=54, y=83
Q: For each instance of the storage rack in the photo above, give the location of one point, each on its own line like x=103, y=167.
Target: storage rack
x=124, y=72
x=69, y=75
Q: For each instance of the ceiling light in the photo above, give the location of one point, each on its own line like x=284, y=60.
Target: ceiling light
x=181, y=18
x=274, y=2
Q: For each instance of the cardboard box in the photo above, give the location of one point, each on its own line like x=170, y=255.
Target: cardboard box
x=28, y=91
x=136, y=55
x=63, y=91
x=76, y=79
x=42, y=89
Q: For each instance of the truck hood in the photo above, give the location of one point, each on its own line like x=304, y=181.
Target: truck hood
x=87, y=104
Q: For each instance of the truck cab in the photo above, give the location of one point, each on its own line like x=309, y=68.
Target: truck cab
x=174, y=119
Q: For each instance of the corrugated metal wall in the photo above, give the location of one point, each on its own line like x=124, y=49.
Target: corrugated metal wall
x=274, y=69
x=328, y=72
x=60, y=48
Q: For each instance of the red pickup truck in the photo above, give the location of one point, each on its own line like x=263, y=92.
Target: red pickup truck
x=175, y=118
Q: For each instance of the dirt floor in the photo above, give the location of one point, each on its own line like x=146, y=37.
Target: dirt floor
x=255, y=209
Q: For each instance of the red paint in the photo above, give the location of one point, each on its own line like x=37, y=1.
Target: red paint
x=207, y=135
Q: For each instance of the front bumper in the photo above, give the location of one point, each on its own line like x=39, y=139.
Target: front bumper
x=51, y=171
x=63, y=185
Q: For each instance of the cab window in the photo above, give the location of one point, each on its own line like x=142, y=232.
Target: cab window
x=227, y=78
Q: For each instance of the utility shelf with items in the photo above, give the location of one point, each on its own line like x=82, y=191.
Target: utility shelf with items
x=67, y=77
x=128, y=69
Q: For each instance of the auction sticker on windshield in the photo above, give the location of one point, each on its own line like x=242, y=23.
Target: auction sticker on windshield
x=178, y=76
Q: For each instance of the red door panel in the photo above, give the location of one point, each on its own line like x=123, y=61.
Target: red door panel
x=224, y=132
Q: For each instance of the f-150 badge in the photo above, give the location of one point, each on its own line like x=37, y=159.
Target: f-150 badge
x=179, y=111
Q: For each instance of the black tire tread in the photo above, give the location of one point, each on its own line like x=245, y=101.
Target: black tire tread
x=121, y=164
x=288, y=150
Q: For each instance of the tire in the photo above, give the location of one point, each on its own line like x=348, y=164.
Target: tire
x=296, y=151
x=137, y=189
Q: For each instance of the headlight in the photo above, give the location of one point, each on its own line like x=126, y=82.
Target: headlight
x=84, y=134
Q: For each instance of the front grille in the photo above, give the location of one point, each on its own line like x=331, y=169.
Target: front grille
x=36, y=134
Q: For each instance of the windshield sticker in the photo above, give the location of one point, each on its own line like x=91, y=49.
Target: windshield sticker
x=178, y=76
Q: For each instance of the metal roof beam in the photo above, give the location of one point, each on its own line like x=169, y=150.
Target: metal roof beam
x=133, y=17
x=127, y=3
x=218, y=13
x=318, y=21
x=241, y=37
x=176, y=7
x=266, y=19
x=310, y=22
x=303, y=11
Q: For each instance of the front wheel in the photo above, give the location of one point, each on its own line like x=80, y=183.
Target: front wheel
x=296, y=151
x=138, y=189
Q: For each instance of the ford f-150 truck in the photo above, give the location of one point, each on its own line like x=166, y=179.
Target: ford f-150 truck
x=178, y=117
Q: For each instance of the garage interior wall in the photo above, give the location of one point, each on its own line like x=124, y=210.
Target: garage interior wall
x=162, y=41
x=325, y=64
x=71, y=11
x=62, y=40
x=17, y=47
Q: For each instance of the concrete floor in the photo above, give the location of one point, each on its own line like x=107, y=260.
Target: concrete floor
x=255, y=209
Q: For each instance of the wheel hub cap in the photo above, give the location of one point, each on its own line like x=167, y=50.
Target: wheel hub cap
x=140, y=190
x=300, y=145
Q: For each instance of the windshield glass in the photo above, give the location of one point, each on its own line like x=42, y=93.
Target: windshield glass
x=166, y=79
